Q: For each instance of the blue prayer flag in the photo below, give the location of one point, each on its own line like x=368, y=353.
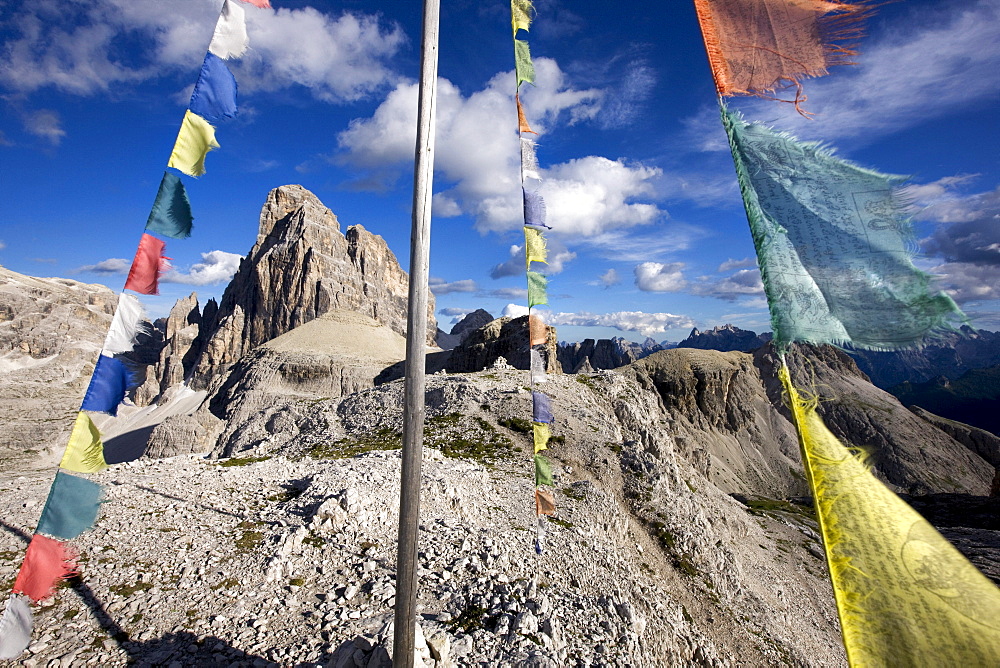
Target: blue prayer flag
x=107, y=386
x=541, y=408
x=214, y=95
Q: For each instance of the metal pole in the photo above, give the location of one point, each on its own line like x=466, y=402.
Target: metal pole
x=416, y=348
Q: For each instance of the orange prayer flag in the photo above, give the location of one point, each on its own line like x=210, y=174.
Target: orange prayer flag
x=758, y=46
x=538, y=333
x=522, y=120
x=545, y=502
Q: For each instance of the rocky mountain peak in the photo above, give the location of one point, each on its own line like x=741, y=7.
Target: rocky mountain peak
x=725, y=338
x=300, y=268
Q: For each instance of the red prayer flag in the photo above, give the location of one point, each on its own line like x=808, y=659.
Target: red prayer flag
x=263, y=4
x=149, y=263
x=46, y=562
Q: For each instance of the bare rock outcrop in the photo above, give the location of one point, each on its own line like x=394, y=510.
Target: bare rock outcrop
x=504, y=337
x=51, y=332
x=728, y=417
x=300, y=268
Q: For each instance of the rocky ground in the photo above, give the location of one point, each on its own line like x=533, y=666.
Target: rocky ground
x=286, y=557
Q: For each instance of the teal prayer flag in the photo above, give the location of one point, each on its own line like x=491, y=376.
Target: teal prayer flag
x=171, y=214
x=71, y=507
x=537, y=284
x=833, y=244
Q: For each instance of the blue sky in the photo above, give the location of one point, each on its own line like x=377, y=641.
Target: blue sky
x=650, y=235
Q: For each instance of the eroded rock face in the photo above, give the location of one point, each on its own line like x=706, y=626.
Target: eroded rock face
x=504, y=337
x=604, y=353
x=51, y=332
x=300, y=268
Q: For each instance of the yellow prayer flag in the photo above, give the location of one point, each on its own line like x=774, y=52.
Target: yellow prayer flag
x=535, y=249
x=905, y=595
x=84, y=452
x=520, y=14
x=195, y=139
x=541, y=433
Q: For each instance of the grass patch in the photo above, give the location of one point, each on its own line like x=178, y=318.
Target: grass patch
x=228, y=583
x=586, y=380
x=127, y=590
x=669, y=543
x=519, y=425
x=250, y=540
x=296, y=582
x=345, y=448
x=575, y=493
x=458, y=439
x=563, y=523
x=243, y=461
x=285, y=495
x=764, y=506
x=470, y=620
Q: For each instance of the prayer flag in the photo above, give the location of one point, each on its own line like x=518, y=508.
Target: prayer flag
x=46, y=563
x=537, y=284
x=543, y=471
x=832, y=243
x=171, y=214
x=148, y=264
x=529, y=162
x=534, y=205
x=520, y=14
x=538, y=332
x=108, y=384
x=194, y=140
x=545, y=502
x=15, y=628
x=84, y=452
x=535, y=249
x=214, y=95
x=126, y=325
x=541, y=408
x=757, y=46
x=540, y=434
x=537, y=363
x=522, y=63
x=263, y=4
x=71, y=507
x=905, y=596
x=522, y=120
x=230, y=39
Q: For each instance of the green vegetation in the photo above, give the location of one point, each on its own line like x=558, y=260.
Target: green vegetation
x=228, y=583
x=587, y=380
x=296, y=582
x=669, y=543
x=470, y=620
x=285, y=495
x=243, y=461
x=455, y=438
x=576, y=492
x=520, y=425
x=126, y=590
x=764, y=506
x=345, y=448
x=563, y=523
x=249, y=540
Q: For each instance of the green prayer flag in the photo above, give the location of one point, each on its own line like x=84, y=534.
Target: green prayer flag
x=522, y=62
x=833, y=244
x=543, y=471
x=537, y=284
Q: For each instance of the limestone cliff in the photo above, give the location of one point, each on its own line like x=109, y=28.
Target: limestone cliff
x=300, y=268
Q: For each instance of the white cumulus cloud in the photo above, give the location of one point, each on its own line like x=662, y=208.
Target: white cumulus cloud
x=76, y=47
x=585, y=196
x=215, y=267
x=660, y=277
x=113, y=265
x=646, y=324
x=439, y=286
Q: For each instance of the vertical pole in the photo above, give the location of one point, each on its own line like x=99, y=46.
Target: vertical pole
x=416, y=348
